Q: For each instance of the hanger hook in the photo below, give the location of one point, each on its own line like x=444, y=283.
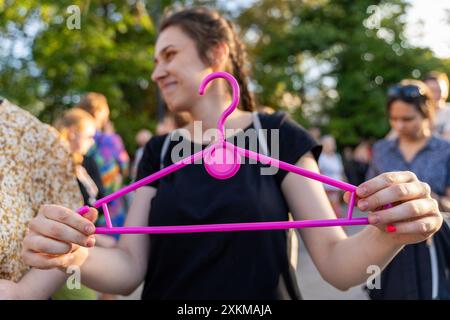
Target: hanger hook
x=234, y=84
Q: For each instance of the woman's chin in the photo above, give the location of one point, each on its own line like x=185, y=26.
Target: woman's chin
x=176, y=107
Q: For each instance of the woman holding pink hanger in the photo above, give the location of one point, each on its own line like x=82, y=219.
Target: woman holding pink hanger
x=193, y=43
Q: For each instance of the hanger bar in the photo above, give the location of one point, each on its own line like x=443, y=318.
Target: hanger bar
x=227, y=227
x=107, y=215
x=291, y=168
x=144, y=181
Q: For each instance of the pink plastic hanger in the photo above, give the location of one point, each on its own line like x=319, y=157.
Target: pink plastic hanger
x=222, y=160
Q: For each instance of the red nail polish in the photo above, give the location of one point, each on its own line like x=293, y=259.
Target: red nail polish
x=391, y=228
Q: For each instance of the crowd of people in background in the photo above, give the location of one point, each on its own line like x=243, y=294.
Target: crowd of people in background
x=419, y=118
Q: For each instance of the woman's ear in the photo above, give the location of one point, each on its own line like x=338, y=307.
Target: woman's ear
x=219, y=56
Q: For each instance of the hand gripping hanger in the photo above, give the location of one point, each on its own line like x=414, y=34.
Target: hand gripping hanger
x=222, y=160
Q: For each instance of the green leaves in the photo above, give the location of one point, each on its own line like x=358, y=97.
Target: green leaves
x=110, y=53
x=354, y=47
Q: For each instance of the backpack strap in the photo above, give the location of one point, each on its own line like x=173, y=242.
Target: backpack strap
x=164, y=148
x=262, y=139
x=434, y=269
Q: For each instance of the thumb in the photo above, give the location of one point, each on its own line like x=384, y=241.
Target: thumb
x=347, y=196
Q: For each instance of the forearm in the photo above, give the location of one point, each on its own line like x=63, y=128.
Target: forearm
x=116, y=270
x=350, y=258
x=121, y=269
x=41, y=284
x=111, y=270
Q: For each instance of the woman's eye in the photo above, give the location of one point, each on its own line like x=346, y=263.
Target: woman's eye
x=170, y=55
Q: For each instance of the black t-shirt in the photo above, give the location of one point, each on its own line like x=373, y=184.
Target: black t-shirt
x=222, y=265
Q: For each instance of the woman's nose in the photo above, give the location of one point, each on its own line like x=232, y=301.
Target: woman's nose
x=158, y=73
x=399, y=125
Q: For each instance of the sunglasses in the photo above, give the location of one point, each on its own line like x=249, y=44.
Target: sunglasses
x=405, y=92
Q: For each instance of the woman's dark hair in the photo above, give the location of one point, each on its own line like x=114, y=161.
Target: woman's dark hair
x=207, y=28
x=414, y=92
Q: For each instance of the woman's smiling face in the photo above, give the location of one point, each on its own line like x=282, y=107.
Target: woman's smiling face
x=179, y=69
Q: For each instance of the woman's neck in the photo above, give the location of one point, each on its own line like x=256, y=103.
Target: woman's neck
x=418, y=141
x=209, y=109
x=410, y=147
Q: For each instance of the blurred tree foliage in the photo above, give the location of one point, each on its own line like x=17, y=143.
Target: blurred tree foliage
x=110, y=53
x=328, y=62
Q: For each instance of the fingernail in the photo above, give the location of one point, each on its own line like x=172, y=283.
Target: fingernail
x=363, y=204
x=89, y=229
x=361, y=191
x=391, y=229
x=374, y=219
x=91, y=242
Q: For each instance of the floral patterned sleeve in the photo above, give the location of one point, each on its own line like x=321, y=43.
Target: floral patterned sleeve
x=35, y=169
x=59, y=183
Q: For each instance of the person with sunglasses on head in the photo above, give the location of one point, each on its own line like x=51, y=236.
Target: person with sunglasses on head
x=419, y=271
x=192, y=43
